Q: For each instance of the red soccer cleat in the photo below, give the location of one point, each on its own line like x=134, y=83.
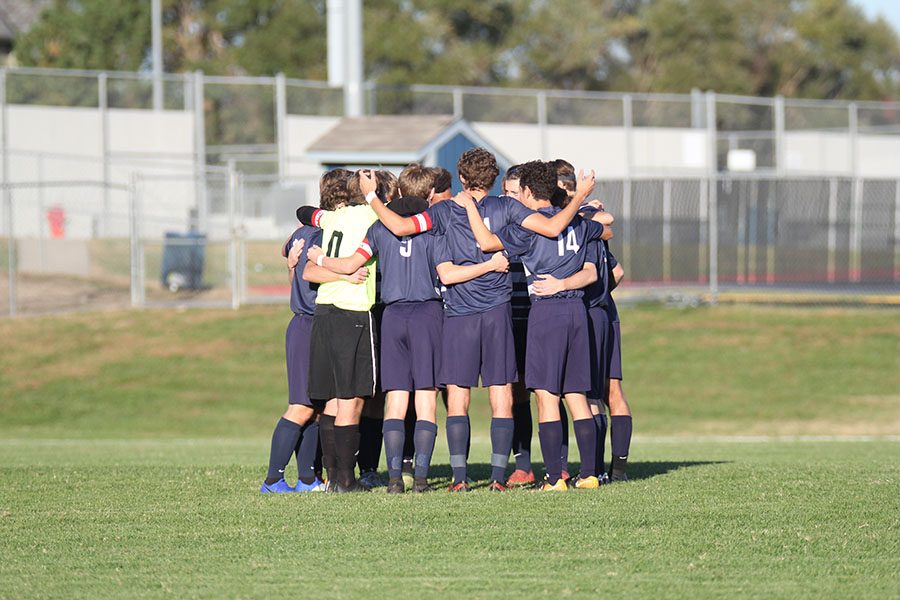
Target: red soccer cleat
x=462, y=486
x=496, y=486
x=520, y=477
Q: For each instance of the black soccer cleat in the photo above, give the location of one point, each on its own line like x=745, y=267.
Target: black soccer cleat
x=353, y=488
x=421, y=488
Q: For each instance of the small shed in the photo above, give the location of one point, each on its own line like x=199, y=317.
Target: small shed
x=392, y=142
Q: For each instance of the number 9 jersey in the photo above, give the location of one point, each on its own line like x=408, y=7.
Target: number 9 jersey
x=343, y=230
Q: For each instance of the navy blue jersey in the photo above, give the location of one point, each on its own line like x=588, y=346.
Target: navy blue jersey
x=449, y=221
x=521, y=303
x=611, y=263
x=303, y=293
x=405, y=264
x=560, y=257
x=597, y=294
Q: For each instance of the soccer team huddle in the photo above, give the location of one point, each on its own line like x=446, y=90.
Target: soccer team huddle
x=402, y=292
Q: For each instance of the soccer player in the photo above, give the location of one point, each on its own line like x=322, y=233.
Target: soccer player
x=523, y=473
x=298, y=431
x=619, y=409
x=342, y=361
x=411, y=327
x=477, y=310
x=557, y=361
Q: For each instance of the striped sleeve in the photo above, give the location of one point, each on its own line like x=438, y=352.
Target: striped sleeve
x=365, y=250
x=422, y=222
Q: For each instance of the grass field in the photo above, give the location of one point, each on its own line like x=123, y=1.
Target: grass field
x=132, y=445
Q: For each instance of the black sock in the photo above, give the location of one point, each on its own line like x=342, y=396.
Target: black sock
x=284, y=440
x=394, y=433
x=346, y=442
x=468, y=437
x=586, y=438
x=326, y=438
x=425, y=434
x=550, y=435
x=409, y=448
x=620, y=438
x=600, y=423
x=501, y=444
x=317, y=463
x=522, y=433
x=306, y=452
x=564, y=448
x=369, y=443
x=457, y=434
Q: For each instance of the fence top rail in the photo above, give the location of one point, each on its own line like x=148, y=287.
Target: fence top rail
x=13, y=185
x=56, y=72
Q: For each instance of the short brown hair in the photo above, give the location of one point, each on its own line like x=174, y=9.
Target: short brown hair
x=478, y=168
x=565, y=174
x=442, y=179
x=540, y=178
x=333, y=188
x=416, y=181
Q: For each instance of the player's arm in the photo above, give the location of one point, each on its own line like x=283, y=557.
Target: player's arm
x=450, y=273
x=618, y=274
x=343, y=266
x=547, y=285
x=487, y=241
x=399, y=226
x=313, y=273
x=555, y=225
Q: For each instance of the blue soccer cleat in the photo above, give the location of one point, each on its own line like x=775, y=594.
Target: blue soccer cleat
x=279, y=487
x=315, y=486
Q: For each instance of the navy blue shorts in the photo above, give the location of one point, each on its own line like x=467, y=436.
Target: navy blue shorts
x=411, y=345
x=296, y=349
x=598, y=321
x=479, y=344
x=615, y=351
x=520, y=339
x=558, y=354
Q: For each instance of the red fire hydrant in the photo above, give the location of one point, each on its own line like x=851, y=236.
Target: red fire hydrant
x=56, y=218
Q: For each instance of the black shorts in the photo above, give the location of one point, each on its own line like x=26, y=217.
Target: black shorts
x=342, y=354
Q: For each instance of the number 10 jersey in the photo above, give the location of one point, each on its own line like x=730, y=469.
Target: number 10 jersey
x=343, y=230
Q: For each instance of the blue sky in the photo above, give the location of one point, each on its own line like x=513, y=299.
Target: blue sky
x=889, y=8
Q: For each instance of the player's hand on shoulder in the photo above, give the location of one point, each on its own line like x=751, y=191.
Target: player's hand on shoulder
x=499, y=262
x=464, y=198
x=359, y=276
x=586, y=181
x=294, y=254
x=547, y=285
x=596, y=204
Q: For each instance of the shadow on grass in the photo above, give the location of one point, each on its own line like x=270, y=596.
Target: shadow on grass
x=481, y=472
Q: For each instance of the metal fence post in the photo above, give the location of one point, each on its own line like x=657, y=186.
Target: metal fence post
x=281, y=135
x=832, y=227
x=780, y=161
x=7, y=198
x=232, y=232
x=856, y=212
x=200, y=152
x=103, y=107
x=897, y=230
x=740, y=271
x=627, y=118
x=667, y=231
x=457, y=103
x=541, y=98
x=771, y=220
x=42, y=251
x=134, y=234
x=713, y=207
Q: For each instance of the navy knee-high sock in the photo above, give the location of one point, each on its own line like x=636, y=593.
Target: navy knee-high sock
x=457, y=437
x=394, y=434
x=468, y=437
x=307, y=448
x=284, y=440
x=564, y=447
x=501, y=444
x=425, y=435
x=550, y=434
x=522, y=432
x=586, y=438
x=600, y=424
x=620, y=438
